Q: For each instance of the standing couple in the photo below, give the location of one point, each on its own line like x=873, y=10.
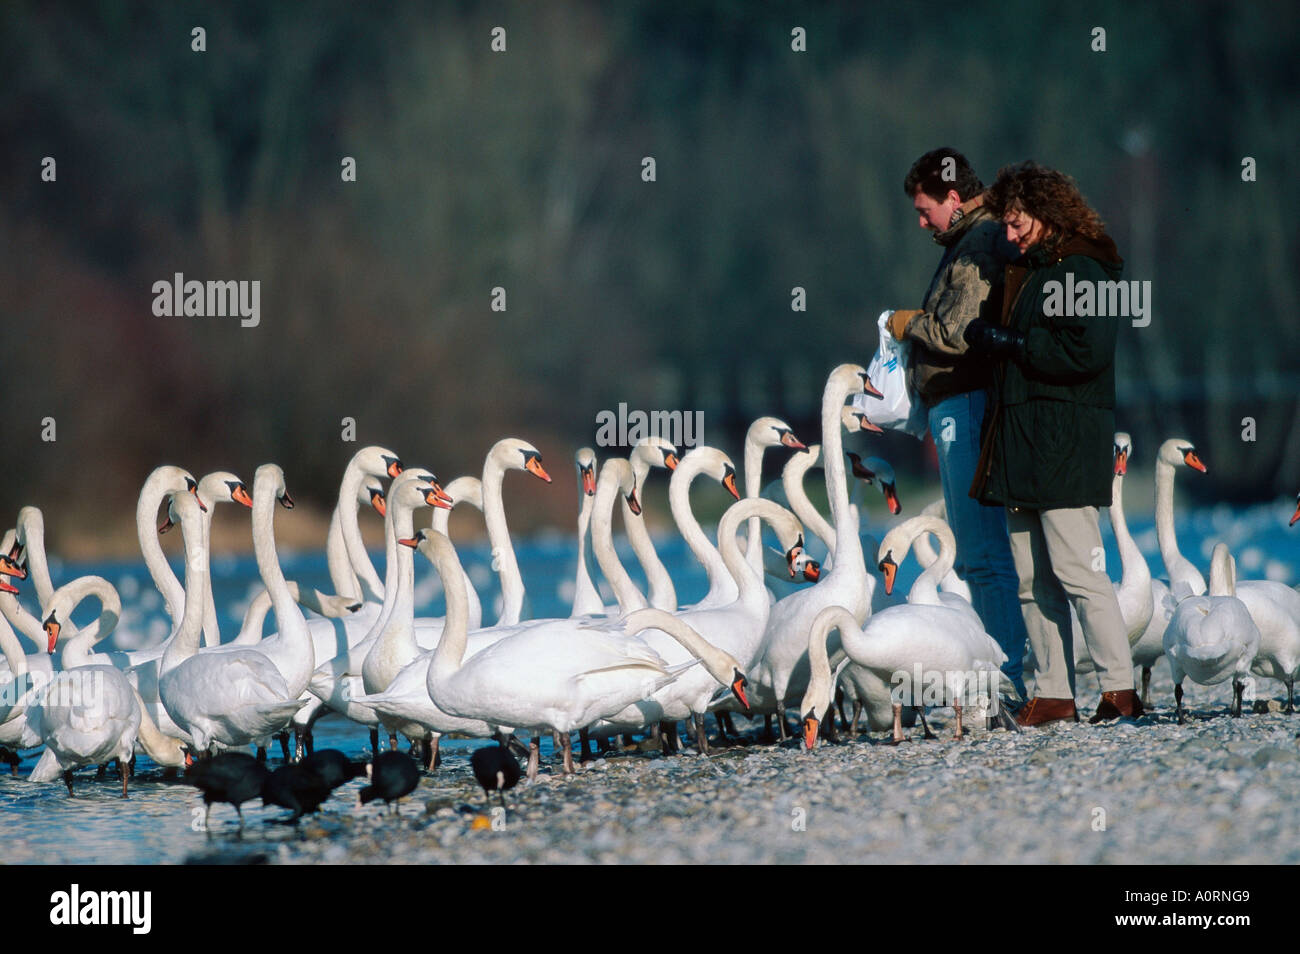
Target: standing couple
x=1021, y=408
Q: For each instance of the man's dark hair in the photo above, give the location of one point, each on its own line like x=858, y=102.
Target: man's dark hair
x=928, y=175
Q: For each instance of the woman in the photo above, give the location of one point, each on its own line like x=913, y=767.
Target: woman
x=1046, y=448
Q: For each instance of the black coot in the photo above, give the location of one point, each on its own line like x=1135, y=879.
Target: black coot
x=333, y=767
x=393, y=775
x=296, y=788
x=230, y=777
x=496, y=770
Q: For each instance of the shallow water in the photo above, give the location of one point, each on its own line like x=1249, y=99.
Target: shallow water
x=162, y=820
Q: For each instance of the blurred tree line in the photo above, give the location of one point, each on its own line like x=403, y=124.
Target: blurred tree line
x=522, y=170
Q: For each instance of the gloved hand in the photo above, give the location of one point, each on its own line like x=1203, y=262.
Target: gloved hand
x=994, y=340
x=899, y=319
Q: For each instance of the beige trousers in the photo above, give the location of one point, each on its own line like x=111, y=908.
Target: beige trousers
x=1058, y=555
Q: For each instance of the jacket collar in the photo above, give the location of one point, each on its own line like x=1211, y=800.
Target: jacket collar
x=969, y=213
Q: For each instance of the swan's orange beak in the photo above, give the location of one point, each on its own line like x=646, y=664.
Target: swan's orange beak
x=394, y=467
x=189, y=759
x=442, y=494
x=377, y=501
x=193, y=488
x=633, y=504
x=588, y=481
x=670, y=460
x=810, y=725
x=891, y=498
x=52, y=631
x=867, y=386
x=812, y=571
x=729, y=481
x=1194, y=462
x=738, y=684
x=890, y=569
x=240, y=496
x=165, y=525
x=7, y=587
x=286, y=501
x=534, y=466
x=432, y=498
x=411, y=542
x=1121, y=462
x=1296, y=515
x=865, y=423
x=789, y=440
x=9, y=567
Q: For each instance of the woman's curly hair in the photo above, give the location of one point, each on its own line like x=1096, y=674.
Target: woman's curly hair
x=1049, y=196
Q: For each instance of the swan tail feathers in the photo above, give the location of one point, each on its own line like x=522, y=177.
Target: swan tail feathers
x=47, y=768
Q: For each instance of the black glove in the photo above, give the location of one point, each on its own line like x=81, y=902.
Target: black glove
x=994, y=340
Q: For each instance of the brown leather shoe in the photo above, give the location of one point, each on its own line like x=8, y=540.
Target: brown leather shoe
x=1039, y=711
x=1113, y=705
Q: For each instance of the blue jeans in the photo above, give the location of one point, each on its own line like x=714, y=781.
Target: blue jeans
x=983, y=545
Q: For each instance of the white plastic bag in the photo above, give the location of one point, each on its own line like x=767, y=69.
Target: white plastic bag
x=899, y=409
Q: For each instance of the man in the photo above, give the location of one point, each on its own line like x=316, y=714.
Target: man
x=948, y=198
x=1047, y=445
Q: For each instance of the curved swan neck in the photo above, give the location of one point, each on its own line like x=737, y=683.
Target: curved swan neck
x=817, y=698
x=1133, y=565
x=31, y=533
x=615, y=480
x=266, y=487
x=160, y=483
x=450, y=651
x=1223, y=572
x=749, y=583
x=342, y=574
x=792, y=476
x=663, y=594
x=184, y=640
x=753, y=464
x=585, y=595
x=720, y=665
x=902, y=538
x=503, y=550
x=679, y=502
x=846, y=528
x=65, y=600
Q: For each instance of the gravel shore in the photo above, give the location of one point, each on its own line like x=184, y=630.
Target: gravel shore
x=1217, y=789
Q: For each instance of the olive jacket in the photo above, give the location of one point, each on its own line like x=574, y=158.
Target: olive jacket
x=965, y=286
x=1049, y=426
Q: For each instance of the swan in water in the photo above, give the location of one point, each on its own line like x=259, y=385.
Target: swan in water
x=90, y=713
x=224, y=696
x=1212, y=638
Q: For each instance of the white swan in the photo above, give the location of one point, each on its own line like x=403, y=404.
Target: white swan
x=224, y=696
x=710, y=461
x=90, y=713
x=586, y=598
x=763, y=433
x=648, y=453
x=350, y=569
x=732, y=632
x=1275, y=609
x=1184, y=578
x=783, y=664
x=958, y=664
x=1212, y=639
x=25, y=675
x=556, y=677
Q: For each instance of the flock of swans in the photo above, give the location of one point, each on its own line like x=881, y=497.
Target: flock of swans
x=808, y=623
